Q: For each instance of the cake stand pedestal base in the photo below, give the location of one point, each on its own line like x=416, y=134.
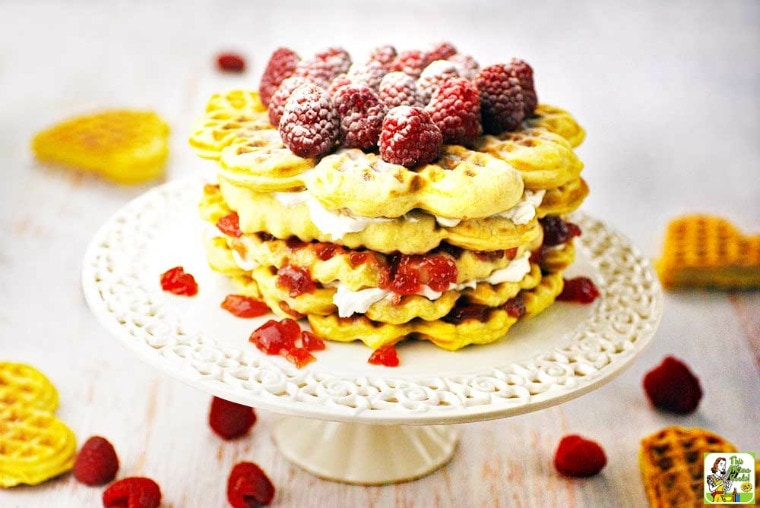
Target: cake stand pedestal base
x=365, y=454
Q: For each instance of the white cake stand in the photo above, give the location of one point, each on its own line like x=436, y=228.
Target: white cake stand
x=345, y=419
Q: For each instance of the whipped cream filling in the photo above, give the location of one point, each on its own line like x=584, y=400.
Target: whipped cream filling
x=358, y=302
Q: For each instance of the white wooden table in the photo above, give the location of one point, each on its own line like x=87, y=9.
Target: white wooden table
x=669, y=94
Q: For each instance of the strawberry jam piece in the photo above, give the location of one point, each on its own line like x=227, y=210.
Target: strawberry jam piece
x=557, y=231
x=295, y=243
x=468, y=311
x=311, y=342
x=515, y=307
x=299, y=356
x=230, y=225
x=244, y=306
x=408, y=273
x=296, y=280
x=356, y=258
x=579, y=289
x=438, y=272
x=384, y=355
x=327, y=251
x=276, y=337
x=176, y=281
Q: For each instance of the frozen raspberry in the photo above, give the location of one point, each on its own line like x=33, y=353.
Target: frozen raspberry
x=524, y=74
x=466, y=65
x=176, y=281
x=248, y=486
x=579, y=457
x=337, y=58
x=229, y=419
x=230, y=62
x=671, y=386
x=501, y=99
x=432, y=77
x=370, y=74
x=557, y=230
x=411, y=62
x=281, y=96
x=96, y=462
x=385, y=55
x=441, y=51
x=361, y=116
x=132, y=492
x=324, y=67
x=399, y=89
x=282, y=64
x=455, y=109
x=409, y=137
x=339, y=81
x=309, y=125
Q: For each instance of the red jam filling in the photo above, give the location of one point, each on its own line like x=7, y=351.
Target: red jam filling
x=296, y=280
x=327, y=251
x=515, y=307
x=176, y=281
x=579, y=289
x=286, y=338
x=406, y=274
x=356, y=258
x=467, y=311
x=384, y=355
x=557, y=231
x=244, y=306
x=230, y=225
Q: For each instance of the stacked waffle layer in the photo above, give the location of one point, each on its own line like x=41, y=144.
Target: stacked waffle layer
x=453, y=252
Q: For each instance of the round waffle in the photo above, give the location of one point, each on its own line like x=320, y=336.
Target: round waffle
x=558, y=121
x=563, y=199
x=122, y=145
x=26, y=385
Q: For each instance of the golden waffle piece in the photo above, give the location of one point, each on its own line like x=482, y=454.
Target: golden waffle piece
x=672, y=466
x=708, y=251
x=558, y=121
x=544, y=159
x=34, y=445
x=563, y=199
x=23, y=384
x=122, y=145
x=415, y=233
x=460, y=184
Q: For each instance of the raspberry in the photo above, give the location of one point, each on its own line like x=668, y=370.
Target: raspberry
x=176, y=281
x=96, y=463
x=501, y=99
x=324, y=67
x=432, y=77
x=385, y=55
x=557, y=230
x=281, y=96
x=442, y=51
x=411, y=62
x=337, y=58
x=309, y=125
x=399, y=89
x=248, y=486
x=230, y=62
x=671, y=386
x=466, y=65
x=339, y=81
x=361, y=116
x=133, y=492
x=282, y=64
x=409, y=137
x=455, y=109
x=524, y=74
x=370, y=74
x=229, y=419
x=579, y=457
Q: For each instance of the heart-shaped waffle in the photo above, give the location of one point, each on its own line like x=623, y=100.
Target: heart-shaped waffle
x=122, y=145
x=708, y=251
x=23, y=384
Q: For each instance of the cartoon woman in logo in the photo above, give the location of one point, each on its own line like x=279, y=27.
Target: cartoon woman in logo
x=719, y=481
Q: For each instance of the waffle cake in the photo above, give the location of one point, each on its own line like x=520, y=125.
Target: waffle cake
x=454, y=247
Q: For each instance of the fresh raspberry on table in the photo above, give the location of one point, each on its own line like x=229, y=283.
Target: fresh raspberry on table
x=361, y=116
x=370, y=73
x=230, y=62
x=441, y=51
x=671, y=386
x=281, y=96
x=524, y=74
x=309, y=125
x=432, y=77
x=409, y=137
x=411, y=62
x=249, y=486
x=385, y=55
x=96, y=462
x=230, y=419
x=455, y=109
x=501, y=99
x=579, y=457
x=467, y=66
x=132, y=492
x=282, y=64
x=399, y=89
